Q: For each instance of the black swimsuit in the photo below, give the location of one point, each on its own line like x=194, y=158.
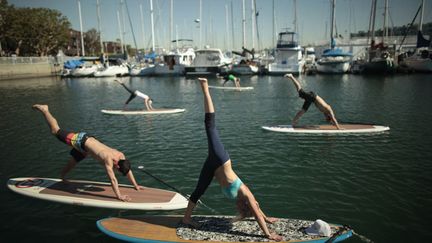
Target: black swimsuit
x=309, y=98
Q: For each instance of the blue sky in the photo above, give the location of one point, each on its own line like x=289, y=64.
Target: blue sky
x=313, y=17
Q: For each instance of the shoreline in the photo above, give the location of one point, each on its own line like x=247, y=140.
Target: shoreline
x=28, y=70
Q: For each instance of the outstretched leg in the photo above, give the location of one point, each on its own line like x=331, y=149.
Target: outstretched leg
x=208, y=103
x=294, y=80
x=124, y=86
x=51, y=121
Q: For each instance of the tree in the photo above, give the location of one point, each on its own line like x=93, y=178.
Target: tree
x=92, y=42
x=32, y=31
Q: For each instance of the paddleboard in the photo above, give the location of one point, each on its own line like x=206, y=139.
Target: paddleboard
x=142, y=112
x=155, y=229
x=96, y=194
x=318, y=129
x=231, y=88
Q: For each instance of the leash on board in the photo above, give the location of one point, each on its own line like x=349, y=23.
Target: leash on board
x=141, y=168
x=346, y=228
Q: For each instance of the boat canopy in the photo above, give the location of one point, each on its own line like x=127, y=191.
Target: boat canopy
x=71, y=64
x=336, y=52
x=287, y=40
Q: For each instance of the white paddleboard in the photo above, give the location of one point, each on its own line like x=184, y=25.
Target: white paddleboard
x=319, y=129
x=96, y=194
x=142, y=112
x=231, y=88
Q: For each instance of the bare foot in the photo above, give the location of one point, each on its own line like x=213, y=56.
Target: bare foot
x=42, y=108
x=204, y=83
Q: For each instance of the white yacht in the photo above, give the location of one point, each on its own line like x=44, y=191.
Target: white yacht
x=174, y=63
x=334, y=60
x=209, y=61
x=288, y=56
x=85, y=70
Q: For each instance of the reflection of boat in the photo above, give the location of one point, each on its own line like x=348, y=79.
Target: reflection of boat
x=209, y=61
x=288, y=56
x=333, y=60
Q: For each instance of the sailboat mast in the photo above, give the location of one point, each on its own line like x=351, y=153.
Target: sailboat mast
x=81, y=28
x=142, y=25
x=274, y=24
x=253, y=23
x=200, y=24
x=152, y=25
x=226, y=27
x=373, y=18
x=99, y=25
x=171, y=24
x=120, y=31
x=232, y=25
x=385, y=33
x=244, y=23
x=295, y=17
x=421, y=16
x=333, y=22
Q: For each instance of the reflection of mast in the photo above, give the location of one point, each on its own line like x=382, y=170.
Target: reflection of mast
x=81, y=28
x=99, y=25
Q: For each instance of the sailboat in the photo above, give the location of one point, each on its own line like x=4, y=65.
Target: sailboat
x=380, y=55
x=421, y=60
x=334, y=60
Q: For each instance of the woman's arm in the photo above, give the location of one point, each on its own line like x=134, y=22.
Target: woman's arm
x=260, y=218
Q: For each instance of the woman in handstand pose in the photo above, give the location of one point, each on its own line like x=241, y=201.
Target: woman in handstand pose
x=218, y=164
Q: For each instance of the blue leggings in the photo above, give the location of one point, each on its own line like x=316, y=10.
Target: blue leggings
x=217, y=156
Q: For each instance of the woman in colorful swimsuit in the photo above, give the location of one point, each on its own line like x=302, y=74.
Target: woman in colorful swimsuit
x=134, y=93
x=218, y=165
x=82, y=144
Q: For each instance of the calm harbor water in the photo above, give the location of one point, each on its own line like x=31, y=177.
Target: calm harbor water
x=378, y=184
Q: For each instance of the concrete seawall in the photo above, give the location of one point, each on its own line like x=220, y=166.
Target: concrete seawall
x=27, y=70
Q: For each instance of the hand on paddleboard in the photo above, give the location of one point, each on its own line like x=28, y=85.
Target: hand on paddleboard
x=271, y=220
x=138, y=188
x=275, y=237
x=125, y=198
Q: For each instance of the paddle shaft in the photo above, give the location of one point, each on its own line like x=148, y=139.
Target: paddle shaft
x=175, y=189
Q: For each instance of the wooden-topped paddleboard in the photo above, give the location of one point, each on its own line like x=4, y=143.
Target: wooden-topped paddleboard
x=231, y=88
x=318, y=129
x=212, y=229
x=96, y=194
x=142, y=112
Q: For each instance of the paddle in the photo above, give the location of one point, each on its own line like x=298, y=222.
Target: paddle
x=175, y=189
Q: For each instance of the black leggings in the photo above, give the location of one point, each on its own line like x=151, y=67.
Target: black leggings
x=132, y=96
x=217, y=156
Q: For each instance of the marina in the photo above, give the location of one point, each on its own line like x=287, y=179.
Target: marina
x=322, y=109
